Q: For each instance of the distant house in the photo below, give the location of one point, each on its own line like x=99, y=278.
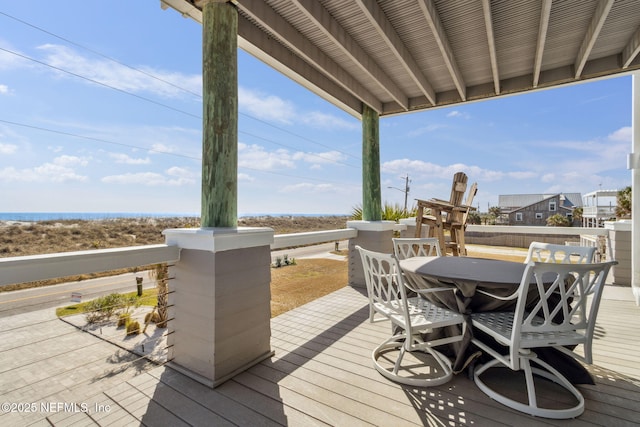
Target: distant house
x=534, y=209
x=598, y=207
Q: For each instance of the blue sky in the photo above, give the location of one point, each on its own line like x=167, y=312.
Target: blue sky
x=102, y=111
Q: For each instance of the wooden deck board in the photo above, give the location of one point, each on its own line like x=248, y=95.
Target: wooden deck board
x=322, y=374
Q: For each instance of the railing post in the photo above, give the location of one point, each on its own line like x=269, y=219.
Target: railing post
x=372, y=235
x=221, y=301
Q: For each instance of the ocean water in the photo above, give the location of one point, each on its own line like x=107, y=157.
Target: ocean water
x=49, y=216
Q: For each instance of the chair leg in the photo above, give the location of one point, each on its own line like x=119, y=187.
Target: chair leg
x=398, y=343
x=532, y=407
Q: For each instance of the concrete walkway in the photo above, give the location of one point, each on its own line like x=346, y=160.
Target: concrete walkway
x=46, y=363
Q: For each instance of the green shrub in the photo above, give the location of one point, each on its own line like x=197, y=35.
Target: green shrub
x=123, y=319
x=152, y=317
x=133, y=328
x=103, y=308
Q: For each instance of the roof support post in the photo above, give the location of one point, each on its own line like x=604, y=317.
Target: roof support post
x=219, y=207
x=371, y=194
x=635, y=187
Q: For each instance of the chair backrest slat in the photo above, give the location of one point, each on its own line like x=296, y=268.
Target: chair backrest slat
x=384, y=283
x=560, y=254
x=553, y=298
x=409, y=247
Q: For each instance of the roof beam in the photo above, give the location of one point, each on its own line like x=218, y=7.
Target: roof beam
x=545, y=13
x=631, y=50
x=323, y=20
x=597, y=22
x=433, y=19
x=262, y=13
x=255, y=42
x=491, y=41
x=378, y=19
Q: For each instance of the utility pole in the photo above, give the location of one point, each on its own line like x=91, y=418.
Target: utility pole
x=405, y=191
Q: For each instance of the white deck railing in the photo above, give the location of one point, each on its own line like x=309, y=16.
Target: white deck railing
x=42, y=267
x=49, y=266
x=282, y=241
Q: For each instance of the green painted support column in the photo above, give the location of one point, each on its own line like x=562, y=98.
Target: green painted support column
x=220, y=105
x=371, y=194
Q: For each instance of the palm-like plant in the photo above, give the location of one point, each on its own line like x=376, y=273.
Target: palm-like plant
x=160, y=273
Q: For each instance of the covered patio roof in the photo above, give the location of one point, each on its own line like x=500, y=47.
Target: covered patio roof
x=401, y=56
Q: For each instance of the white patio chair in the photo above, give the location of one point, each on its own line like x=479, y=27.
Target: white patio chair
x=566, y=319
x=408, y=247
x=562, y=254
x=411, y=316
x=552, y=253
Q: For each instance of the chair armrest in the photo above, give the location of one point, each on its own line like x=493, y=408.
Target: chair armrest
x=514, y=295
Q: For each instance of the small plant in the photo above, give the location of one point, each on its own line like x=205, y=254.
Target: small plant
x=133, y=327
x=281, y=262
x=152, y=317
x=123, y=319
x=103, y=308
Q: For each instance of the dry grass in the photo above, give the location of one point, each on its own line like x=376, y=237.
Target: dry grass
x=44, y=237
x=291, y=286
x=295, y=285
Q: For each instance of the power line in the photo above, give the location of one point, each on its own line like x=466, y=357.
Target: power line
x=158, y=151
x=59, y=132
x=152, y=101
x=198, y=95
x=99, y=54
x=100, y=83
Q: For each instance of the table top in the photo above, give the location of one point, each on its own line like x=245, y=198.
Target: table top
x=480, y=270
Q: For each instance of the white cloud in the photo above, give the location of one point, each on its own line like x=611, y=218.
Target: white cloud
x=456, y=113
x=128, y=160
x=256, y=157
x=328, y=157
x=119, y=76
x=622, y=135
x=274, y=108
x=245, y=177
x=9, y=60
x=175, y=176
x=67, y=161
x=4, y=89
x=423, y=169
x=322, y=120
x=305, y=187
x=56, y=172
x=55, y=149
x=264, y=106
x=161, y=148
x=425, y=129
x=8, y=148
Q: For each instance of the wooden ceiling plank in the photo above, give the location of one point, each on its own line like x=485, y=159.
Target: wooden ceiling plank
x=545, y=13
x=597, y=22
x=378, y=19
x=262, y=13
x=493, y=56
x=323, y=20
x=433, y=19
x=255, y=42
x=631, y=50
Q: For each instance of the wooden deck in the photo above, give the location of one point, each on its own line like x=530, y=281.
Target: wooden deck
x=322, y=375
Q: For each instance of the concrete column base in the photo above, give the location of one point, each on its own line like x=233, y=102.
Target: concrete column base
x=372, y=235
x=620, y=240
x=220, y=301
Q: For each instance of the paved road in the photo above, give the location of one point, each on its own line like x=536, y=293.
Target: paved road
x=316, y=251
x=22, y=301
x=27, y=300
